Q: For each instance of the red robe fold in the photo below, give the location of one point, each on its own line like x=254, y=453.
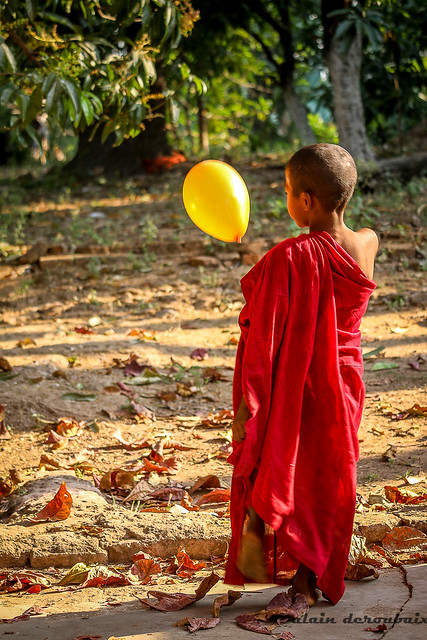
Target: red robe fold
x=299, y=366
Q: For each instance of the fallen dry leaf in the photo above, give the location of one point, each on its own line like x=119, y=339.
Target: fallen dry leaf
x=224, y=418
x=196, y=624
x=225, y=600
x=5, y=364
x=143, y=334
x=199, y=354
x=27, y=342
x=144, y=569
x=188, y=504
x=283, y=605
x=250, y=623
x=177, y=601
x=212, y=374
x=207, y=482
x=102, y=576
x=184, y=390
x=35, y=610
x=118, y=480
x=400, y=538
x=59, y=508
x=19, y=580
x=216, y=495
x=171, y=466
x=83, y=330
x=130, y=446
x=403, y=496
x=359, y=571
x=186, y=566
x=168, y=493
x=4, y=433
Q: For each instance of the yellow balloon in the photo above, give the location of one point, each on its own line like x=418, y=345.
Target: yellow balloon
x=217, y=200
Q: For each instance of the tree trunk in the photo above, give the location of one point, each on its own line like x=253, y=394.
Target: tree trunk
x=298, y=113
x=128, y=158
x=203, y=126
x=344, y=70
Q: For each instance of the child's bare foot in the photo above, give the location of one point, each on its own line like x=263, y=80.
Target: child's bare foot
x=304, y=581
x=250, y=559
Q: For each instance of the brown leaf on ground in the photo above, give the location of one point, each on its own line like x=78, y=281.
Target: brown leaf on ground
x=19, y=580
x=167, y=396
x=59, y=508
x=102, y=576
x=359, y=571
x=403, y=496
x=4, y=433
x=188, y=504
x=400, y=538
x=226, y=600
x=184, y=390
x=212, y=374
x=5, y=364
x=27, y=342
x=224, y=418
x=144, y=569
x=133, y=368
x=388, y=556
x=140, y=491
x=68, y=427
x=283, y=605
x=142, y=412
x=56, y=440
x=415, y=410
x=250, y=623
x=199, y=354
x=168, y=493
x=118, y=480
x=130, y=446
x=35, y=610
x=9, y=484
x=177, y=601
x=197, y=624
x=186, y=566
x=207, y=482
x=216, y=495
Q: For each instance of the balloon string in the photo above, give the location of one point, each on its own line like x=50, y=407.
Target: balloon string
x=239, y=239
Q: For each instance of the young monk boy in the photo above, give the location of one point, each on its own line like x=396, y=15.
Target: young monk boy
x=298, y=392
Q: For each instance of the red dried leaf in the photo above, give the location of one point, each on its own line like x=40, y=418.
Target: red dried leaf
x=217, y=495
x=59, y=508
x=393, y=494
x=144, y=569
x=226, y=600
x=403, y=538
x=207, y=482
x=133, y=368
x=286, y=635
x=186, y=565
x=68, y=427
x=377, y=629
x=199, y=354
x=18, y=580
x=171, y=466
x=143, y=334
x=102, y=576
x=142, y=412
x=35, y=589
x=169, y=443
x=188, y=504
x=249, y=622
x=83, y=330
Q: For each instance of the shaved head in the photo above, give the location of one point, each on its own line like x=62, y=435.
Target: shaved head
x=326, y=171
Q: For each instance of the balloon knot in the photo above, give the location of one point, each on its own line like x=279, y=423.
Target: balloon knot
x=239, y=239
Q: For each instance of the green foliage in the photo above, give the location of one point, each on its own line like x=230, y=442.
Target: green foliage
x=83, y=64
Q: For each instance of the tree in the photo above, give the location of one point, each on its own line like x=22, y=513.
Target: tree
x=89, y=66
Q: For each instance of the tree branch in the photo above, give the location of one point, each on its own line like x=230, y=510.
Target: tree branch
x=31, y=55
x=266, y=49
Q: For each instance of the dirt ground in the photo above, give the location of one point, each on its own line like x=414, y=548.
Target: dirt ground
x=129, y=271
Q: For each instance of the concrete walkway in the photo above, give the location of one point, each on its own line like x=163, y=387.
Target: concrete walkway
x=398, y=598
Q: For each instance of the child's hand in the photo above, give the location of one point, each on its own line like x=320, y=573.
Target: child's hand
x=239, y=424
x=238, y=429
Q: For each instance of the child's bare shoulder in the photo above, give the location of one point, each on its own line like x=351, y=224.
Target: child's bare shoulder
x=368, y=237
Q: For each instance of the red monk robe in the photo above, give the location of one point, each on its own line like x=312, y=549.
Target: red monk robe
x=299, y=365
